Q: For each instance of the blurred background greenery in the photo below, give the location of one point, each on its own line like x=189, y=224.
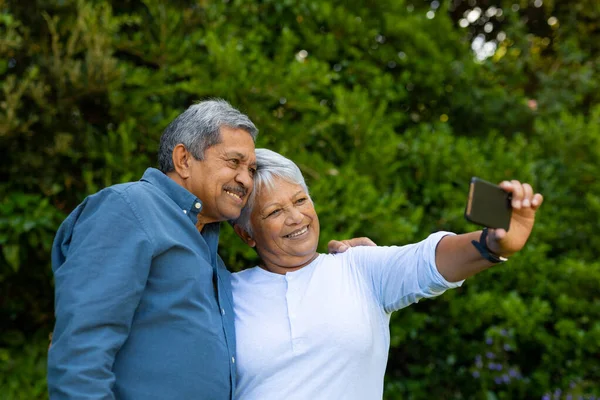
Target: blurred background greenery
x=388, y=106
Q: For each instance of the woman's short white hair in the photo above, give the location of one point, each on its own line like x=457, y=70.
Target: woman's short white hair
x=269, y=166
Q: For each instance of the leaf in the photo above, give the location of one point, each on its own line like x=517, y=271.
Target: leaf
x=491, y=396
x=11, y=254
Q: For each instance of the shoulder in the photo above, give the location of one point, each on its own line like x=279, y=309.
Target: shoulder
x=245, y=275
x=117, y=205
x=142, y=199
x=250, y=282
x=335, y=263
x=139, y=191
x=116, y=194
x=352, y=253
x=101, y=213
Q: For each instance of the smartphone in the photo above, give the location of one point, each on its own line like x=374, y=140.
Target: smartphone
x=488, y=205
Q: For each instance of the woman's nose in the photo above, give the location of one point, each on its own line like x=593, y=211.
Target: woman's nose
x=294, y=216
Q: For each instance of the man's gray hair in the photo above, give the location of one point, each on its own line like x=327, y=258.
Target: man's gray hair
x=269, y=166
x=198, y=128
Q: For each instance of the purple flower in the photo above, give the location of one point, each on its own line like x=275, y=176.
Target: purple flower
x=475, y=374
x=489, y=341
x=507, y=347
x=505, y=378
x=494, y=367
x=513, y=373
x=546, y=397
x=490, y=355
x=498, y=380
x=503, y=332
x=569, y=397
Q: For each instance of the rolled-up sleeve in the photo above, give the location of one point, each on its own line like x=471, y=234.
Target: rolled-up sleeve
x=402, y=275
x=101, y=260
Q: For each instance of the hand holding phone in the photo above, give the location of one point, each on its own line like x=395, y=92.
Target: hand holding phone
x=488, y=205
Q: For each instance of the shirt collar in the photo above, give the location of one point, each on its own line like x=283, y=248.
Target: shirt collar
x=180, y=195
x=184, y=200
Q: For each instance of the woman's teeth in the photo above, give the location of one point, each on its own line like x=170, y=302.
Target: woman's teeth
x=297, y=233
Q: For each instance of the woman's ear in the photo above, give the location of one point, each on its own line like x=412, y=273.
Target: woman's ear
x=245, y=236
x=181, y=161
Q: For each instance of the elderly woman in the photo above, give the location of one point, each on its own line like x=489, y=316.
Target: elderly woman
x=316, y=326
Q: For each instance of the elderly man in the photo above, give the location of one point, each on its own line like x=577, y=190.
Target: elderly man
x=143, y=301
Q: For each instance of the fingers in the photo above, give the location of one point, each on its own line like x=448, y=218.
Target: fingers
x=337, y=246
x=527, y=195
x=513, y=187
x=537, y=201
x=361, y=241
x=522, y=195
x=517, y=194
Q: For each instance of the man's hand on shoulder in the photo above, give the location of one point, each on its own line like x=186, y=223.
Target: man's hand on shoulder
x=340, y=246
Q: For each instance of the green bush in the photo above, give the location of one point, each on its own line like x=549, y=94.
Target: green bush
x=23, y=367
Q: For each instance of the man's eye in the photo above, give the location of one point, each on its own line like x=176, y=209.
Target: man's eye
x=234, y=161
x=252, y=171
x=301, y=200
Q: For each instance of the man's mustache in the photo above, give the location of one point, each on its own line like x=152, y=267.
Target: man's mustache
x=239, y=190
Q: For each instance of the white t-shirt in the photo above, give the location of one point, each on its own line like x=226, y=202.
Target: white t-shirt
x=322, y=332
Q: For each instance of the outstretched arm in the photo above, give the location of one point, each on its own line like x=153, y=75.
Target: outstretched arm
x=456, y=257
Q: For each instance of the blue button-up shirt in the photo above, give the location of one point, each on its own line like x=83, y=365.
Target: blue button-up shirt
x=143, y=302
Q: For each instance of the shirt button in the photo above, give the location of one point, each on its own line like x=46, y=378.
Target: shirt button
x=197, y=205
x=222, y=311
x=233, y=360
x=185, y=211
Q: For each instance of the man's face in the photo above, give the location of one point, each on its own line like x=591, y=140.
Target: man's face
x=285, y=227
x=224, y=179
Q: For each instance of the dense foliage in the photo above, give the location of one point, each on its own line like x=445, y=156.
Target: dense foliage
x=387, y=111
